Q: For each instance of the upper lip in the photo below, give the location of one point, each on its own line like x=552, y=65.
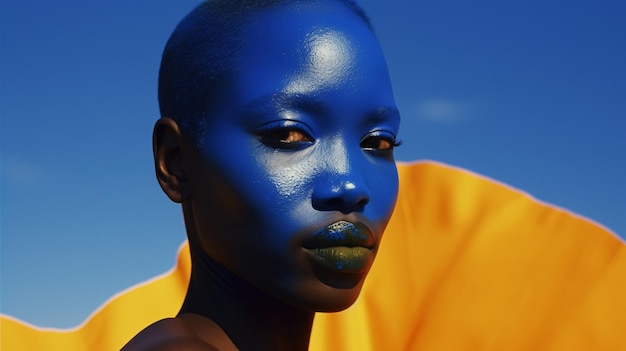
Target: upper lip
x=341, y=233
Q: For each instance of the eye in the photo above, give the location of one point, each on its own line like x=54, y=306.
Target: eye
x=285, y=135
x=379, y=141
x=288, y=136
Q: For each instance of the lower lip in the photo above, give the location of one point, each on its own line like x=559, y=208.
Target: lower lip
x=344, y=259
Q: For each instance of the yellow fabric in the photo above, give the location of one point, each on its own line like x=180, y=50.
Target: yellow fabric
x=466, y=264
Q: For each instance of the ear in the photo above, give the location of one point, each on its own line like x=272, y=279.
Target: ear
x=167, y=148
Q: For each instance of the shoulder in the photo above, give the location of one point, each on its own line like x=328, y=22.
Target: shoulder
x=168, y=335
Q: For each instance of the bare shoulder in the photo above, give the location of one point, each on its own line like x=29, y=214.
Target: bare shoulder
x=168, y=335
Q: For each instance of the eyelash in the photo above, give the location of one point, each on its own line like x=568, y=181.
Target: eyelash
x=276, y=135
x=379, y=136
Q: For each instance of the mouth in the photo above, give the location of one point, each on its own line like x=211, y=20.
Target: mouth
x=343, y=247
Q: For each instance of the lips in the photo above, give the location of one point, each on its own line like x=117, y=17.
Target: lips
x=343, y=247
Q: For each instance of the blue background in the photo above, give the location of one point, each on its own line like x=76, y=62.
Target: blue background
x=531, y=93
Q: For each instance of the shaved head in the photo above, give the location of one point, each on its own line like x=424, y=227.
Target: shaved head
x=204, y=48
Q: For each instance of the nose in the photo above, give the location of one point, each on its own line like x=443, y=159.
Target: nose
x=340, y=184
x=345, y=194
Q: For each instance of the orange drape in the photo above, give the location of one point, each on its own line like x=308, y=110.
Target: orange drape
x=466, y=264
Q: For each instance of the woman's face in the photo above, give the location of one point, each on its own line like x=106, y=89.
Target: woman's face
x=294, y=180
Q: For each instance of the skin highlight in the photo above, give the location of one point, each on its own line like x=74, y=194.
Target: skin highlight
x=288, y=193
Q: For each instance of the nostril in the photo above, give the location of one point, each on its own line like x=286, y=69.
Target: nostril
x=357, y=206
x=333, y=204
x=339, y=204
x=363, y=202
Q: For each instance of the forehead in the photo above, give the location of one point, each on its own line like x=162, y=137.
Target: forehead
x=294, y=29
x=308, y=47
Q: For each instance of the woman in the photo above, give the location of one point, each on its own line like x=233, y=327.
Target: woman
x=277, y=138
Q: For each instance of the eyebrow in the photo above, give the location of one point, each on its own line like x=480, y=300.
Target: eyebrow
x=277, y=101
x=315, y=107
x=386, y=113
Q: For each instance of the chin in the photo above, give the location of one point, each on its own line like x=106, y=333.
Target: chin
x=330, y=298
x=338, y=301
x=337, y=305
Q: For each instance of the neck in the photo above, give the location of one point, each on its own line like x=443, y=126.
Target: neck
x=252, y=319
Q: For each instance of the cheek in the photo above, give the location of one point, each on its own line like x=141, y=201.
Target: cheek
x=287, y=177
x=383, y=185
x=265, y=192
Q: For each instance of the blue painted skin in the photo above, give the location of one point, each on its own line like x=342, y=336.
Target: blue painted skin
x=301, y=136
x=289, y=183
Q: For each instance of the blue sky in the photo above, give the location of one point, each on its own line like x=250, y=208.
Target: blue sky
x=531, y=93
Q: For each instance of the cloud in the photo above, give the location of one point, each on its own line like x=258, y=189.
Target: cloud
x=442, y=111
